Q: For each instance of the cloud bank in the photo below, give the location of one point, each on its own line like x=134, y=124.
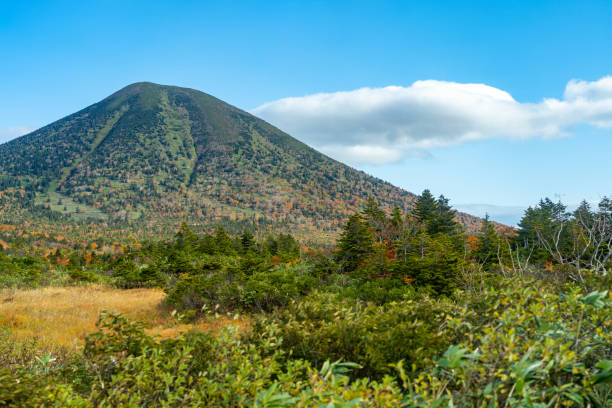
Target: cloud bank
x=9, y=133
x=384, y=125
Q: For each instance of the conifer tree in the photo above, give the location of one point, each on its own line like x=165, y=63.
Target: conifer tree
x=397, y=218
x=444, y=220
x=425, y=208
x=223, y=241
x=271, y=245
x=376, y=220
x=542, y=222
x=185, y=237
x=288, y=246
x=584, y=215
x=355, y=243
x=372, y=213
x=247, y=241
x=488, y=244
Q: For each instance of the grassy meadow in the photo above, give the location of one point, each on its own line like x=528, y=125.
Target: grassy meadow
x=63, y=316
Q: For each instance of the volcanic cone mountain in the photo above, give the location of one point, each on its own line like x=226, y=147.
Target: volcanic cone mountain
x=153, y=155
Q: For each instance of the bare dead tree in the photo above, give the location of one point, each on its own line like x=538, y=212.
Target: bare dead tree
x=519, y=266
x=406, y=235
x=582, y=242
x=473, y=273
x=596, y=232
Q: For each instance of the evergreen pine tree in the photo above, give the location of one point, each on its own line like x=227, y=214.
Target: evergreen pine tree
x=288, y=246
x=425, y=208
x=185, y=238
x=372, y=213
x=271, y=245
x=377, y=221
x=584, y=215
x=488, y=244
x=223, y=241
x=397, y=218
x=542, y=222
x=355, y=243
x=444, y=220
x=247, y=241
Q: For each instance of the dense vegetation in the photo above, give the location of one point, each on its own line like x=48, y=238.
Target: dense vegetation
x=406, y=310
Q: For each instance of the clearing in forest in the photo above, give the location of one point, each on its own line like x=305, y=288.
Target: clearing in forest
x=62, y=316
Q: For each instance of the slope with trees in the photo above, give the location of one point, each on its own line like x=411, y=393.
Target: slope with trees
x=151, y=156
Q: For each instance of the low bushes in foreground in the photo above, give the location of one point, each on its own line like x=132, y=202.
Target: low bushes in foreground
x=528, y=348
x=323, y=327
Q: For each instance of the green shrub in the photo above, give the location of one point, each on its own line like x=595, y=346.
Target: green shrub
x=127, y=274
x=321, y=328
x=379, y=290
x=540, y=349
x=230, y=290
x=32, y=375
x=265, y=291
x=84, y=275
x=21, y=271
x=193, y=292
x=201, y=370
x=29, y=390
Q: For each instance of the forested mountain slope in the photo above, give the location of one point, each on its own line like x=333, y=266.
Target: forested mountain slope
x=151, y=155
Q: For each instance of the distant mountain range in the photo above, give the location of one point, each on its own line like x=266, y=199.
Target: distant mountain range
x=150, y=156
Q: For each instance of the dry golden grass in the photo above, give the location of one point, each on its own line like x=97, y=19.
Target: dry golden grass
x=62, y=316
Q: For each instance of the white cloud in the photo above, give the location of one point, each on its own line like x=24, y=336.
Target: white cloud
x=577, y=89
x=9, y=133
x=383, y=125
x=363, y=153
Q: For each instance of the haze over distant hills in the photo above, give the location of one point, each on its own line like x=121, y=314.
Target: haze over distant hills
x=153, y=155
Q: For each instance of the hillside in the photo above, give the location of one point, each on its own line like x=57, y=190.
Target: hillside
x=150, y=156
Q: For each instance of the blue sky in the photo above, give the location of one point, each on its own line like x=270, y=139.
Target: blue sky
x=509, y=150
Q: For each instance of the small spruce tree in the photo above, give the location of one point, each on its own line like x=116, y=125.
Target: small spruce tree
x=425, y=208
x=355, y=243
x=488, y=244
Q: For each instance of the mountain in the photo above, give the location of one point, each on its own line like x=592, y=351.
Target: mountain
x=150, y=156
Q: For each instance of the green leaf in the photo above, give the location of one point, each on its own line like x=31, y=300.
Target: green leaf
x=455, y=357
x=605, y=376
x=596, y=299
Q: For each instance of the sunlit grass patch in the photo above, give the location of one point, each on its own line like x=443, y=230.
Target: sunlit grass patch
x=62, y=316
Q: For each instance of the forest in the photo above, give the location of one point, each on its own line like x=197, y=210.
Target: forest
x=405, y=308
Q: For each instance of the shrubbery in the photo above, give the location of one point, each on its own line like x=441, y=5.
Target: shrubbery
x=19, y=271
x=521, y=346
x=542, y=349
x=125, y=367
x=232, y=289
x=407, y=311
x=323, y=327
